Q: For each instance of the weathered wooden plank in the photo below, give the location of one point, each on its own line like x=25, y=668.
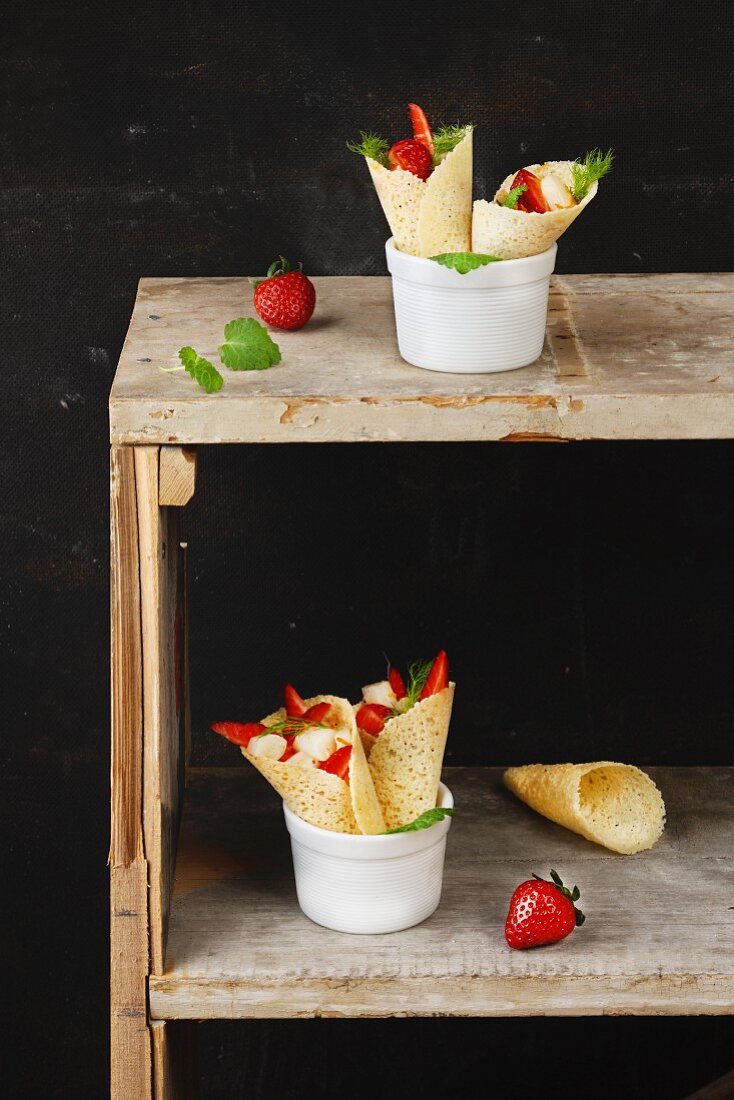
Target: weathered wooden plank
x=175, y=1062
x=627, y=357
x=239, y=945
x=176, y=476
x=130, y=1053
x=161, y=621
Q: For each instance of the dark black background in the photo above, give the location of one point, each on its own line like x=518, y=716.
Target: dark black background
x=584, y=591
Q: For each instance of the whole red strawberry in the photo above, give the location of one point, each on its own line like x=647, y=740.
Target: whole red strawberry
x=542, y=912
x=284, y=298
x=413, y=156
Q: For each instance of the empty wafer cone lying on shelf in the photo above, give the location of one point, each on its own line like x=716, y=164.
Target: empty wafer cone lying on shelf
x=615, y=805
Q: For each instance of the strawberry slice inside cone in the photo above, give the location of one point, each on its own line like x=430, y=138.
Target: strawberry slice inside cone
x=338, y=762
x=411, y=156
x=371, y=718
x=532, y=200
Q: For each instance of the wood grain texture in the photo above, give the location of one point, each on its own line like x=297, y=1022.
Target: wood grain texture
x=627, y=357
x=177, y=476
x=130, y=1052
x=175, y=1061
x=240, y=947
x=162, y=739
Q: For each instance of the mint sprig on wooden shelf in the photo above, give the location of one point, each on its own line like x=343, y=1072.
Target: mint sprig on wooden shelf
x=430, y=817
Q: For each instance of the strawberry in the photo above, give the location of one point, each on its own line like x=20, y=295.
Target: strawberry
x=412, y=156
x=372, y=717
x=239, y=733
x=284, y=298
x=532, y=200
x=438, y=677
x=397, y=683
x=294, y=704
x=338, y=762
x=421, y=129
x=542, y=912
x=317, y=712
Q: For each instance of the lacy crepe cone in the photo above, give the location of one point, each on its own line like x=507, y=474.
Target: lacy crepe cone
x=615, y=805
x=406, y=759
x=317, y=796
x=429, y=217
x=513, y=234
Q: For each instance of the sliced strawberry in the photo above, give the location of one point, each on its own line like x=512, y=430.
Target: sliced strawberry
x=338, y=762
x=397, y=683
x=421, y=129
x=438, y=677
x=317, y=712
x=239, y=733
x=294, y=704
x=291, y=749
x=532, y=201
x=372, y=717
x=412, y=156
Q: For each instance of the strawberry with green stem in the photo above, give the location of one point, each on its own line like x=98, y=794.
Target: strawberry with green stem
x=542, y=912
x=284, y=298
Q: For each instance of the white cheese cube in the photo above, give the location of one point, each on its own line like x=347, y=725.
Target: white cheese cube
x=270, y=745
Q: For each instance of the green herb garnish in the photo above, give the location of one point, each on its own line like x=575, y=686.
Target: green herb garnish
x=464, y=262
x=417, y=676
x=370, y=145
x=447, y=138
x=248, y=346
x=201, y=370
x=586, y=172
x=430, y=817
x=513, y=196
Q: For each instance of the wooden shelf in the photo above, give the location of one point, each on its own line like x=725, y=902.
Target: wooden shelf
x=657, y=940
x=626, y=357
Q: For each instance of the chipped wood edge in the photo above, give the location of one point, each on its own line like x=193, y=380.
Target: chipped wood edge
x=130, y=1049
x=176, y=476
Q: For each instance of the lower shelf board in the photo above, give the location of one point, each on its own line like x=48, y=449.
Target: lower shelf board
x=658, y=939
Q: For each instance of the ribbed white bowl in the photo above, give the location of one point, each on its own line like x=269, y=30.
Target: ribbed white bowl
x=491, y=319
x=368, y=884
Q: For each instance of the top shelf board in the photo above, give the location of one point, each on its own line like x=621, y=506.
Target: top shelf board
x=625, y=357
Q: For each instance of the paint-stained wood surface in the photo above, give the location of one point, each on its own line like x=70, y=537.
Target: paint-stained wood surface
x=626, y=357
x=658, y=938
x=162, y=627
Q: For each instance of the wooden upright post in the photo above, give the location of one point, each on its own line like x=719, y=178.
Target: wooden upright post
x=130, y=1046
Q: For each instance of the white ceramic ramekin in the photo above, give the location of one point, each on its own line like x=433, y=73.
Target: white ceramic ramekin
x=491, y=319
x=369, y=884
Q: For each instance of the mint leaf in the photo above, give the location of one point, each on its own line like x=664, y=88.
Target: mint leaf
x=511, y=201
x=464, y=262
x=430, y=817
x=201, y=370
x=248, y=346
